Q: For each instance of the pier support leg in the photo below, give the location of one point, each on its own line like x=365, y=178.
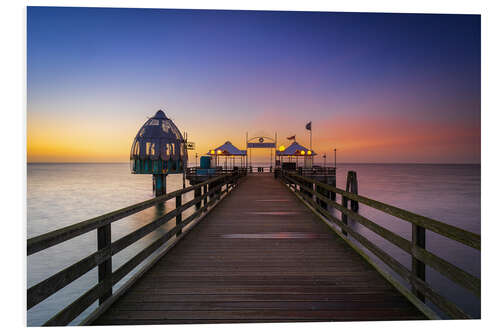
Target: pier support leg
x=352, y=186
x=160, y=184
x=417, y=266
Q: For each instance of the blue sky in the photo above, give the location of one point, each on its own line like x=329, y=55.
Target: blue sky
x=380, y=87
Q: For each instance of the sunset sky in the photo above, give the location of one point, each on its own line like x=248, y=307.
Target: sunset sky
x=378, y=87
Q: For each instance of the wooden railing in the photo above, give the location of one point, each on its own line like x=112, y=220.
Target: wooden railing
x=213, y=190
x=195, y=171
x=317, y=171
x=313, y=193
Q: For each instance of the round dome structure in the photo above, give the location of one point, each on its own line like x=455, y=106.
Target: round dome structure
x=158, y=147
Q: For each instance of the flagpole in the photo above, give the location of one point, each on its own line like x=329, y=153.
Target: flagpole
x=310, y=144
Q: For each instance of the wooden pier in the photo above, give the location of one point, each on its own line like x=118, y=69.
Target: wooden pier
x=269, y=252
x=260, y=256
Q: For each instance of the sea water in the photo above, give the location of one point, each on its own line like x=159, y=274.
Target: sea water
x=59, y=195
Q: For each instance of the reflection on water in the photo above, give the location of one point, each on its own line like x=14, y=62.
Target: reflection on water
x=63, y=194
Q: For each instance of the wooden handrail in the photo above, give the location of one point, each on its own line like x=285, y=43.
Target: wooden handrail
x=58, y=236
x=212, y=189
x=460, y=235
x=416, y=280
x=449, y=270
x=66, y=315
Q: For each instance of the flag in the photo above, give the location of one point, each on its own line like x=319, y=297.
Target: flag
x=291, y=137
x=308, y=126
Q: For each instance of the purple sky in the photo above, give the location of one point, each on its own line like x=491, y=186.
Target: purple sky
x=379, y=87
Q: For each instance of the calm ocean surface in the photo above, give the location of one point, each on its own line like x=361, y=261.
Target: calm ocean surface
x=63, y=194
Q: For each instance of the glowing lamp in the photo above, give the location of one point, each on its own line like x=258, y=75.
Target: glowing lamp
x=308, y=152
x=219, y=152
x=302, y=152
x=212, y=152
x=282, y=148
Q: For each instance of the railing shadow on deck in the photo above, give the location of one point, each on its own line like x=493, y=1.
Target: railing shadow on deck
x=214, y=190
x=318, y=196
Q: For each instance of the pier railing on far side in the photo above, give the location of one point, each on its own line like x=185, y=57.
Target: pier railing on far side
x=214, y=190
x=319, y=196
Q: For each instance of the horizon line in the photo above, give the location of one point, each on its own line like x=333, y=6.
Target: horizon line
x=424, y=163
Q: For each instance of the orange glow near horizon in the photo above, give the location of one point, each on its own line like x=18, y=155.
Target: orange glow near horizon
x=374, y=100
x=372, y=139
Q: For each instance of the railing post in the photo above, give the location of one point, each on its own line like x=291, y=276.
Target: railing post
x=301, y=183
x=310, y=185
x=205, y=199
x=226, y=185
x=417, y=266
x=219, y=185
x=326, y=193
x=105, y=269
x=217, y=188
x=178, y=217
x=333, y=195
x=234, y=180
x=197, y=194
x=344, y=216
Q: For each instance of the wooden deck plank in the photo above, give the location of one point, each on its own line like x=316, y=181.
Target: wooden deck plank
x=260, y=256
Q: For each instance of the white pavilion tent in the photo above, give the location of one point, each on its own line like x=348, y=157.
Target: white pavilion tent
x=296, y=150
x=228, y=150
